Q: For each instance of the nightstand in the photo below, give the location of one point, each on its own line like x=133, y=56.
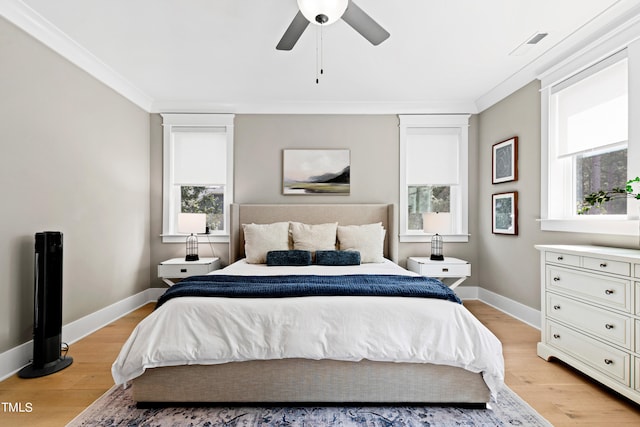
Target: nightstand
x=178, y=268
x=449, y=268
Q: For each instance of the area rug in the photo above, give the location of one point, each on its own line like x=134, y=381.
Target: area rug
x=116, y=408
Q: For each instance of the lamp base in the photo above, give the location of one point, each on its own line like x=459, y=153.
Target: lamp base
x=437, y=258
x=192, y=258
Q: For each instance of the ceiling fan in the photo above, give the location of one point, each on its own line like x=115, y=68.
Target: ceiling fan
x=326, y=12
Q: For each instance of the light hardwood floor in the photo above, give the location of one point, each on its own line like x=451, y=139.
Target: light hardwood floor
x=562, y=395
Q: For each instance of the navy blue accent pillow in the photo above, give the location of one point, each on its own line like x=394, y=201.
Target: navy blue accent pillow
x=337, y=257
x=288, y=258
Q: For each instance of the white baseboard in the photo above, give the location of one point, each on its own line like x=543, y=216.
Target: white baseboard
x=517, y=310
x=11, y=361
x=84, y=326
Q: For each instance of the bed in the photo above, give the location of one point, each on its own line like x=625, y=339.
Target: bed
x=342, y=349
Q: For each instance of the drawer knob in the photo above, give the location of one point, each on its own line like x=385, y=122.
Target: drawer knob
x=560, y=258
x=556, y=279
x=556, y=336
x=603, y=265
x=608, y=326
x=556, y=307
x=609, y=291
x=608, y=361
x=183, y=270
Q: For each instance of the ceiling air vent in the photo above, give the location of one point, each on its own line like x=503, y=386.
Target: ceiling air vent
x=528, y=44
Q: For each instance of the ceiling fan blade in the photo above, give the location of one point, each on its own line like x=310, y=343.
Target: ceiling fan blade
x=364, y=24
x=293, y=33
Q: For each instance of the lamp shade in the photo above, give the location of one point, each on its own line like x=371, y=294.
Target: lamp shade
x=436, y=222
x=329, y=10
x=192, y=222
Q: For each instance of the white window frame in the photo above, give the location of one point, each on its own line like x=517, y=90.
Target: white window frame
x=625, y=42
x=170, y=123
x=459, y=122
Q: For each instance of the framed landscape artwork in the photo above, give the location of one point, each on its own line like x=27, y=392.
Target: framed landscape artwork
x=505, y=161
x=324, y=172
x=505, y=213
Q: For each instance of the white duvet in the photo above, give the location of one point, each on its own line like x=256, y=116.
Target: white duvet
x=205, y=330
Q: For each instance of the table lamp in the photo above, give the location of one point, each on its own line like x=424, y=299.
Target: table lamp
x=192, y=223
x=435, y=223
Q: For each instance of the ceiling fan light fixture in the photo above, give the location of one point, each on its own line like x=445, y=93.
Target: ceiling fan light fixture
x=323, y=12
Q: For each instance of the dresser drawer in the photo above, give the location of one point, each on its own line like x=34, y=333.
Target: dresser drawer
x=177, y=268
x=445, y=270
x=612, y=362
x=637, y=336
x=179, y=271
x=607, y=266
x=612, y=292
x=612, y=327
x=563, y=259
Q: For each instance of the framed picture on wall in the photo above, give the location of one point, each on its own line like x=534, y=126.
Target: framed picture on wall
x=505, y=160
x=323, y=172
x=505, y=213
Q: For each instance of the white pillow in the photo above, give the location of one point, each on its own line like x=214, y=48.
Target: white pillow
x=314, y=237
x=367, y=239
x=262, y=238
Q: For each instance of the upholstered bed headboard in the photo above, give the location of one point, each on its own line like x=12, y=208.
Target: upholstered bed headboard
x=343, y=214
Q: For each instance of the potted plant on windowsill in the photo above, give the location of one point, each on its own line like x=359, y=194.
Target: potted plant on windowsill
x=598, y=198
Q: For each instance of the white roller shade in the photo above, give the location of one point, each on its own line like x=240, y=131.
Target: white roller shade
x=432, y=156
x=592, y=110
x=199, y=156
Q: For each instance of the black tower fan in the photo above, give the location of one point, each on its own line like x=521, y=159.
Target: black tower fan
x=47, y=310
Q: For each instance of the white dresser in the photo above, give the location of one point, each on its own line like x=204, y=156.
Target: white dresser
x=591, y=312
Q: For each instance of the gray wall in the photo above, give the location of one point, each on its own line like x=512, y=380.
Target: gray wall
x=509, y=265
x=75, y=159
x=373, y=141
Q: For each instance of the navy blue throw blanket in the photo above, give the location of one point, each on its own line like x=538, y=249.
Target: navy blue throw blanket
x=309, y=285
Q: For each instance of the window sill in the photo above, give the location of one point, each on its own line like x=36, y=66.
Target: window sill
x=202, y=238
x=622, y=227
x=426, y=238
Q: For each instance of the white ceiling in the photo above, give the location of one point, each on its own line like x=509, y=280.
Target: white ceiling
x=219, y=55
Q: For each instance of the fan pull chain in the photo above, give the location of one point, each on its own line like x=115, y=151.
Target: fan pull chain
x=319, y=54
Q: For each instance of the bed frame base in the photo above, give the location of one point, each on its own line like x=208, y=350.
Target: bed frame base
x=306, y=382
x=157, y=405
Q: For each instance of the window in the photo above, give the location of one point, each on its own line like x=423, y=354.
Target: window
x=198, y=171
x=589, y=126
x=433, y=173
x=587, y=146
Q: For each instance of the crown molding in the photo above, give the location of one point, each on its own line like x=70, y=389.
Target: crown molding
x=355, y=107
x=34, y=24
